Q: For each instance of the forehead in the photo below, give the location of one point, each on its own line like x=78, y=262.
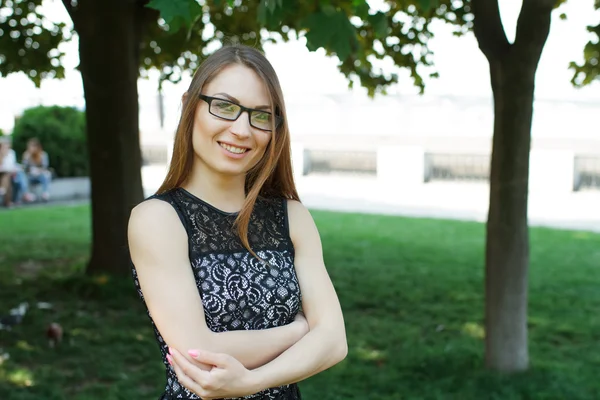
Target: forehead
x=242, y=83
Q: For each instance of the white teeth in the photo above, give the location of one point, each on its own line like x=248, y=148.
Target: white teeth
x=237, y=150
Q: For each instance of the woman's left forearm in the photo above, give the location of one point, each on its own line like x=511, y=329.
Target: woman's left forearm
x=321, y=348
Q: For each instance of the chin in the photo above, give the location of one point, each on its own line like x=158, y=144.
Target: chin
x=230, y=170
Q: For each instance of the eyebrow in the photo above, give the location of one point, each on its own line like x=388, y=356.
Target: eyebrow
x=230, y=97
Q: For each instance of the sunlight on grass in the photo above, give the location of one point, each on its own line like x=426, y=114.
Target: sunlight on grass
x=583, y=235
x=101, y=279
x=23, y=345
x=87, y=334
x=474, y=330
x=20, y=377
x=369, y=354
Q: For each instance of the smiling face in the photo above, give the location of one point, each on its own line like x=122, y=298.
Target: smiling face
x=230, y=147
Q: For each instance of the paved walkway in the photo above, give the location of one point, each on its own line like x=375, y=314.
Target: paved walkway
x=463, y=201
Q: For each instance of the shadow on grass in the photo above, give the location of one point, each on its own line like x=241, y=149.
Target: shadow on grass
x=411, y=291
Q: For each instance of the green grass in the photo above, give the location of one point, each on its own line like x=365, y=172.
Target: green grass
x=412, y=295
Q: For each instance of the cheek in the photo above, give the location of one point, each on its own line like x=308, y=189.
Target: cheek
x=262, y=143
x=262, y=140
x=204, y=132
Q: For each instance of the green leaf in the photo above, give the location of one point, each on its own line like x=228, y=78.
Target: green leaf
x=261, y=12
x=428, y=5
x=328, y=10
x=176, y=13
x=332, y=31
x=361, y=9
x=380, y=24
x=35, y=47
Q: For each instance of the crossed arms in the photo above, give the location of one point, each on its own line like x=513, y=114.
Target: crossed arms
x=276, y=356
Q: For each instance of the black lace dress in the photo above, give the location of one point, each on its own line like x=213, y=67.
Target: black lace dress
x=237, y=290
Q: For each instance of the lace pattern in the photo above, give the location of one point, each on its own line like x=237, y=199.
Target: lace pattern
x=238, y=291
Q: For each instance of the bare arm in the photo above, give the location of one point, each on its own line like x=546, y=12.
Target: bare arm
x=159, y=250
x=325, y=345
x=45, y=162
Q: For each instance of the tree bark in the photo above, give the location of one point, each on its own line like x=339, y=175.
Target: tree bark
x=109, y=63
x=512, y=70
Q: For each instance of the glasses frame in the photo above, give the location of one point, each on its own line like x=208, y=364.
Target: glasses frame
x=249, y=111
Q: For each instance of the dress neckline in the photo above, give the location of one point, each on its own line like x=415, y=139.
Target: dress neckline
x=207, y=204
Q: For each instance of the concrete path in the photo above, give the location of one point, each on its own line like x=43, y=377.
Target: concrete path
x=463, y=201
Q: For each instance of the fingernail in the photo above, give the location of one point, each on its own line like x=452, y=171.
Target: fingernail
x=170, y=351
x=169, y=360
x=193, y=353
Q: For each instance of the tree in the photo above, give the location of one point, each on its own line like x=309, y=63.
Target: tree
x=512, y=71
x=355, y=35
x=589, y=70
x=121, y=38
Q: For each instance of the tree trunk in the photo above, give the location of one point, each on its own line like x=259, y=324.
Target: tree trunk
x=512, y=70
x=507, y=246
x=109, y=63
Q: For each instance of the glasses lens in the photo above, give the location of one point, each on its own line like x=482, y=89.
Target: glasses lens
x=224, y=109
x=262, y=120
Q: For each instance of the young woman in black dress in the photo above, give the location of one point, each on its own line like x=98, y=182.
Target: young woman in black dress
x=226, y=258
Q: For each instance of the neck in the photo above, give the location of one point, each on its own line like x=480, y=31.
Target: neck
x=226, y=192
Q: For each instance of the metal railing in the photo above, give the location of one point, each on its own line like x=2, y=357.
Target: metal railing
x=154, y=154
x=457, y=167
x=587, y=173
x=340, y=162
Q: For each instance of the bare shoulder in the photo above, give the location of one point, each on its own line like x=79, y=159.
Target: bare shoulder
x=151, y=214
x=151, y=208
x=303, y=230
x=153, y=223
x=297, y=210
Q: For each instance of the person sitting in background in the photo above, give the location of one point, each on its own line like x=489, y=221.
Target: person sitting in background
x=36, y=165
x=13, y=181
x=7, y=161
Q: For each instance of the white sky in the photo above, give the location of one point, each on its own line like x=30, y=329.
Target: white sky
x=462, y=66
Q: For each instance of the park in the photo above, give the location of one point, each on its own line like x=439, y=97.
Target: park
x=476, y=278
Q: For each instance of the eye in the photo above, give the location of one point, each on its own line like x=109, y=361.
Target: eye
x=262, y=117
x=224, y=105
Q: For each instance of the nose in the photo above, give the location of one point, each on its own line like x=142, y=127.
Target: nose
x=241, y=126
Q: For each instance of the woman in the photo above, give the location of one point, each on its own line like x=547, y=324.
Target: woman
x=8, y=165
x=13, y=180
x=36, y=165
x=229, y=208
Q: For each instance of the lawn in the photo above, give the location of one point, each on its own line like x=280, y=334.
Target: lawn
x=411, y=290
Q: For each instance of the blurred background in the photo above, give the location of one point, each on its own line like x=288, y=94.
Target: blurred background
x=396, y=170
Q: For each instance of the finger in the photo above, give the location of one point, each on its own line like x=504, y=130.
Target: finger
x=187, y=382
x=179, y=355
x=205, y=367
x=191, y=370
x=219, y=360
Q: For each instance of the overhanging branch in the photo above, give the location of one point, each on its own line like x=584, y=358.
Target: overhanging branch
x=488, y=28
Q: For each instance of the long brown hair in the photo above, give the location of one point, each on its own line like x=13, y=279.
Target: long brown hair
x=272, y=175
x=4, y=146
x=35, y=156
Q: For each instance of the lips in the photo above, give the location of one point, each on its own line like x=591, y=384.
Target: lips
x=236, y=149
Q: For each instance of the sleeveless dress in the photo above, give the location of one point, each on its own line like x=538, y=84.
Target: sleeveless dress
x=238, y=291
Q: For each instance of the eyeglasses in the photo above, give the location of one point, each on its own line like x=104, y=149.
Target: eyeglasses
x=231, y=111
